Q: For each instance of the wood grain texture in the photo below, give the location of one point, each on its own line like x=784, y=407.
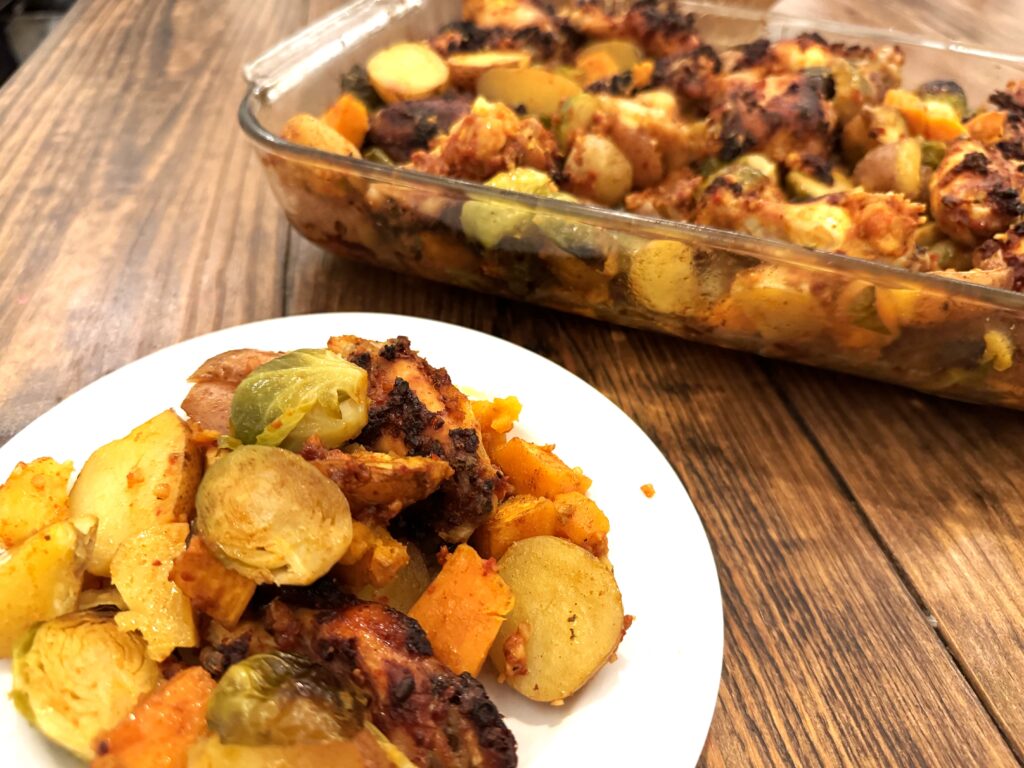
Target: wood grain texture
x=845, y=516
x=133, y=214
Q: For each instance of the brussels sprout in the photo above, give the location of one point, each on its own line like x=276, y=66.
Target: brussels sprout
x=278, y=698
x=364, y=750
x=489, y=223
x=932, y=152
x=804, y=186
x=945, y=91
x=303, y=393
x=77, y=676
x=574, y=118
x=272, y=516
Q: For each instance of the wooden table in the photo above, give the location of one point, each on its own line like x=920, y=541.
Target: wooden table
x=870, y=540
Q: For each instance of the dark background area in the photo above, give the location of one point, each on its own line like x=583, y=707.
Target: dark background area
x=23, y=25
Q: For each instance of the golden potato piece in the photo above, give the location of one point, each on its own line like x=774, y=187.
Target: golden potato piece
x=407, y=71
x=144, y=479
x=540, y=92
x=466, y=68
x=40, y=579
x=212, y=588
x=157, y=608
x=34, y=496
x=566, y=623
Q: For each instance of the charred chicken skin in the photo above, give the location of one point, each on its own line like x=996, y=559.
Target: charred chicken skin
x=435, y=717
x=415, y=410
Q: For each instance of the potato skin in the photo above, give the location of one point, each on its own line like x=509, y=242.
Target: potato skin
x=34, y=496
x=144, y=479
x=42, y=577
x=566, y=623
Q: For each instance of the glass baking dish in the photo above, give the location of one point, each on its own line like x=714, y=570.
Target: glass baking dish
x=925, y=331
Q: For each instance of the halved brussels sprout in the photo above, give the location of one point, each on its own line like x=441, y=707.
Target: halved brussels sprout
x=77, y=676
x=303, y=393
x=272, y=516
x=278, y=698
x=489, y=223
x=946, y=91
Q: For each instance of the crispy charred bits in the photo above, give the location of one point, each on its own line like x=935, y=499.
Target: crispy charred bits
x=689, y=75
x=973, y=162
x=434, y=716
x=415, y=410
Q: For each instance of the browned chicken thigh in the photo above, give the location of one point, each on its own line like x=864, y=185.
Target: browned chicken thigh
x=415, y=410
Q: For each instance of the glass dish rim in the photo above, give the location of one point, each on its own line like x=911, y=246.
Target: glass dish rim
x=762, y=248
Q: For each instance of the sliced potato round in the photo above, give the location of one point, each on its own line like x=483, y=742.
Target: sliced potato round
x=566, y=623
x=540, y=92
x=466, y=68
x=407, y=71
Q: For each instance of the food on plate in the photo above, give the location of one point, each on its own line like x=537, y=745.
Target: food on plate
x=250, y=611
x=41, y=577
x=157, y=608
x=566, y=621
x=162, y=727
x=269, y=515
x=816, y=143
x=291, y=397
x=34, y=496
x=463, y=608
x=143, y=479
x=77, y=676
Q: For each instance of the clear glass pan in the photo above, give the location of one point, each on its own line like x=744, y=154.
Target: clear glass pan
x=924, y=331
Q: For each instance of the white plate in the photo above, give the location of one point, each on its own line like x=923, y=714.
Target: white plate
x=656, y=700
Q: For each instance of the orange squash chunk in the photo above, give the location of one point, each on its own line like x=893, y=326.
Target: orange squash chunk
x=536, y=470
x=163, y=726
x=463, y=609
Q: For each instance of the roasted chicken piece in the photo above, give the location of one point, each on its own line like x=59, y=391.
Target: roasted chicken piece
x=998, y=262
x=976, y=191
x=378, y=485
x=873, y=226
x=415, y=410
x=437, y=718
x=655, y=25
x=208, y=403
x=490, y=139
x=776, y=115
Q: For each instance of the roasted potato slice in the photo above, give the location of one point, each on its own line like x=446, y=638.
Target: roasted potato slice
x=407, y=71
x=40, y=578
x=157, y=607
x=566, y=623
x=144, y=479
x=34, y=496
x=466, y=68
x=540, y=92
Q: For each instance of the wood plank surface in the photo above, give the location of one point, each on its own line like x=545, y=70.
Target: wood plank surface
x=133, y=215
x=938, y=482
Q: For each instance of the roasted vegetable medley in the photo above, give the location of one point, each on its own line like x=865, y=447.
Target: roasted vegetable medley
x=309, y=570
x=799, y=140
